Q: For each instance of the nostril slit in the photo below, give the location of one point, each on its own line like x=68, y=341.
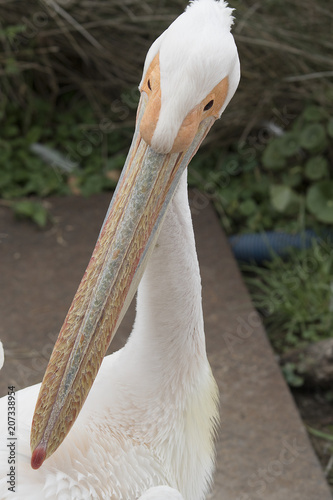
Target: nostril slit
x=149, y=85
x=209, y=105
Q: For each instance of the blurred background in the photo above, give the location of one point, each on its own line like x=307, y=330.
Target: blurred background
x=69, y=72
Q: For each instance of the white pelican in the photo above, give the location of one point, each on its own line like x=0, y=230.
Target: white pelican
x=147, y=428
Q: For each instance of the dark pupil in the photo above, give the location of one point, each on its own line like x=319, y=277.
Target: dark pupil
x=149, y=86
x=208, y=105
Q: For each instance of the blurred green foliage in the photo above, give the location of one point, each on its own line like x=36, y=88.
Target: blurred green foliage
x=84, y=156
x=295, y=296
x=285, y=181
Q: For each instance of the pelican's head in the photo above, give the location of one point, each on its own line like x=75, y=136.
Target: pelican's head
x=190, y=74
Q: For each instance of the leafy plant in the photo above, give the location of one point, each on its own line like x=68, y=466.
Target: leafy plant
x=33, y=210
x=289, y=371
x=319, y=201
x=305, y=145
x=320, y=434
x=288, y=185
x=46, y=151
x=295, y=296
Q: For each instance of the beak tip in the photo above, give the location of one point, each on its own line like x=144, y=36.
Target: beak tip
x=38, y=457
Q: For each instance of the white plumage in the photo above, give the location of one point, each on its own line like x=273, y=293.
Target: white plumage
x=161, y=493
x=199, y=44
x=149, y=419
x=146, y=430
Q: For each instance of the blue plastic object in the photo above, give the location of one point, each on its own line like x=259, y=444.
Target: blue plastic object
x=258, y=247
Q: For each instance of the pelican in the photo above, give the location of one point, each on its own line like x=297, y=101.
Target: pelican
x=146, y=429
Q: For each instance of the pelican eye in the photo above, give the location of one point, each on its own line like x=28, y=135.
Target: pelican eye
x=149, y=85
x=209, y=105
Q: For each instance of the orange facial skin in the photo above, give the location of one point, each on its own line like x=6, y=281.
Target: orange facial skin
x=209, y=106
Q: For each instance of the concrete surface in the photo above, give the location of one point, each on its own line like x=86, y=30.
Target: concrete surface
x=263, y=451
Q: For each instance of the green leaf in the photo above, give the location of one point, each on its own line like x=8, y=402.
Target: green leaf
x=34, y=134
x=289, y=371
x=31, y=210
x=248, y=207
x=284, y=199
x=320, y=434
x=319, y=201
x=289, y=144
x=293, y=177
x=273, y=158
x=316, y=168
x=40, y=216
x=314, y=113
x=313, y=138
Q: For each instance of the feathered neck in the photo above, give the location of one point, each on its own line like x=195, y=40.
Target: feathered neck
x=168, y=330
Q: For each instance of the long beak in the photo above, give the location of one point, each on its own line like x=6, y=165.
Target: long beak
x=128, y=235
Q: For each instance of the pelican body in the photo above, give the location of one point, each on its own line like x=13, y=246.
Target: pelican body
x=146, y=429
